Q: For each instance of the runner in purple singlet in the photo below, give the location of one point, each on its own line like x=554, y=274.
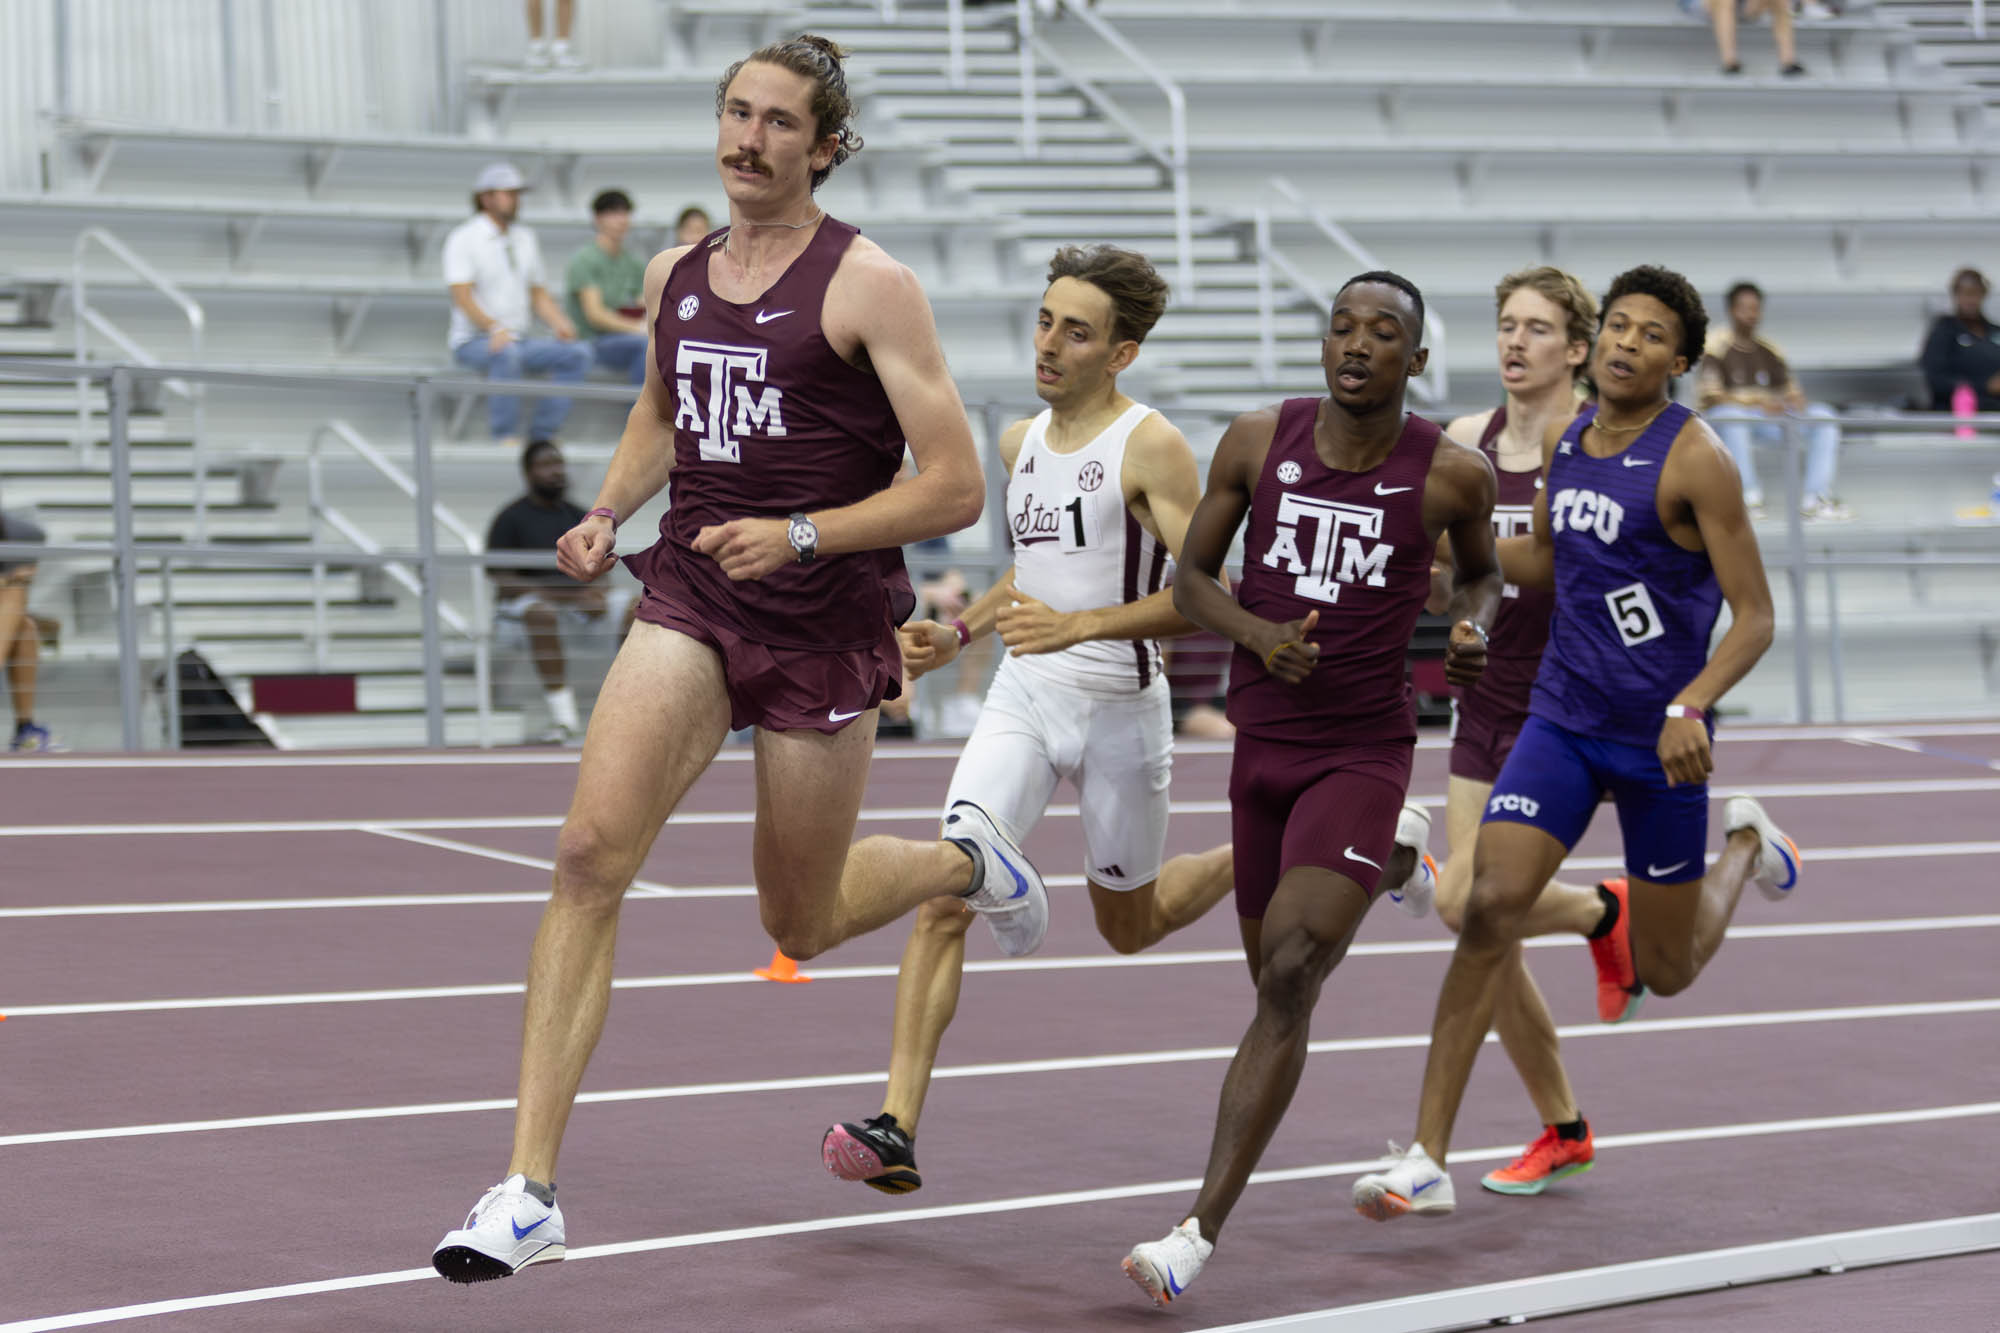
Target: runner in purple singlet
x=1641, y=531
x=790, y=362
x=1345, y=499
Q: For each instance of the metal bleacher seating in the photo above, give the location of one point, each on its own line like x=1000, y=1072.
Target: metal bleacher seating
x=1455, y=139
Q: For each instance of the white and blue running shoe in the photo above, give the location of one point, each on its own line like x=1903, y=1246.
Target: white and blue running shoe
x=1413, y=1183
x=1778, y=859
x=507, y=1230
x=1166, y=1267
x=1010, y=895
x=1413, y=897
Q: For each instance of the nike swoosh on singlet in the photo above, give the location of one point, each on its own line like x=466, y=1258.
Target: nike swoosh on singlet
x=1638, y=462
x=1380, y=489
x=764, y=318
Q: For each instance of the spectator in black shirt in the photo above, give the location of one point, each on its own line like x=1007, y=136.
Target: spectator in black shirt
x=1964, y=347
x=542, y=599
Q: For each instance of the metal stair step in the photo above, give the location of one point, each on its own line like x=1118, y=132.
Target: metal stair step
x=1048, y=174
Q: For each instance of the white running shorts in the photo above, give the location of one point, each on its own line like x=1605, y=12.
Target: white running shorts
x=1117, y=751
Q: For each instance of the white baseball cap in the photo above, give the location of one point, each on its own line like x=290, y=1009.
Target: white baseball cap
x=499, y=176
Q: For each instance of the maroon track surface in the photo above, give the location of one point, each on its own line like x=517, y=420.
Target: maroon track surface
x=111, y=1222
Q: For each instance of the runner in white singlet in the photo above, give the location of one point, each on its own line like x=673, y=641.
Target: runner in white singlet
x=1099, y=493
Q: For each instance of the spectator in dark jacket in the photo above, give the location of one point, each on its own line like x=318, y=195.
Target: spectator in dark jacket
x=1964, y=346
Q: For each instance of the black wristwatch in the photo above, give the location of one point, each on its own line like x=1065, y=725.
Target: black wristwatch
x=804, y=538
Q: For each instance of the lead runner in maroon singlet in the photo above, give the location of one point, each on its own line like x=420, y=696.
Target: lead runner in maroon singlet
x=1346, y=497
x=791, y=361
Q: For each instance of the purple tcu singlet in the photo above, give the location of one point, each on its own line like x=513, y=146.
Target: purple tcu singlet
x=1352, y=546
x=1634, y=609
x=770, y=421
x=1521, y=627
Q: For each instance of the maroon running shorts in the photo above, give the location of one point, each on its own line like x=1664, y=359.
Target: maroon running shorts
x=1313, y=804
x=787, y=689
x=1481, y=739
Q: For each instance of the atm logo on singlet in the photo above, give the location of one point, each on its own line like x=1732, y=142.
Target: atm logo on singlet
x=723, y=397
x=1342, y=541
x=1512, y=521
x=1576, y=510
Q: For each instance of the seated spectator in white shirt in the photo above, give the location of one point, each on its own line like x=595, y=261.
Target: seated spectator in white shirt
x=1745, y=386
x=493, y=267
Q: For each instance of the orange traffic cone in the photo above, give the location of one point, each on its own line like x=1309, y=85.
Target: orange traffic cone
x=781, y=968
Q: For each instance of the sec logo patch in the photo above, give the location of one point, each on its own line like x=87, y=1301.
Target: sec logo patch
x=688, y=306
x=1289, y=472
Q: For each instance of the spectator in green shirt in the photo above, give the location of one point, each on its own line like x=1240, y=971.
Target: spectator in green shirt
x=607, y=290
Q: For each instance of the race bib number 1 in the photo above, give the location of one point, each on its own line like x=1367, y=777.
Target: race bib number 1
x=1634, y=615
x=1078, y=529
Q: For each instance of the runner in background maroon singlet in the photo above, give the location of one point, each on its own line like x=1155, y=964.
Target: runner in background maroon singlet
x=1545, y=321
x=791, y=360
x=1346, y=498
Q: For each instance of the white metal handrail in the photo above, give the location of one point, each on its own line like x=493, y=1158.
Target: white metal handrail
x=88, y=316
x=1433, y=384
x=475, y=628
x=1173, y=155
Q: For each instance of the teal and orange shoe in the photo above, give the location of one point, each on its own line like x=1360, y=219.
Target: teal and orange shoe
x=1542, y=1163
x=1619, y=993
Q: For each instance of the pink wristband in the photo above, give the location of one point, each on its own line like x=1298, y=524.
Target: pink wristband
x=964, y=634
x=1687, y=711
x=605, y=512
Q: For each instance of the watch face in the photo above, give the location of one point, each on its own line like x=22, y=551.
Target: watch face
x=804, y=534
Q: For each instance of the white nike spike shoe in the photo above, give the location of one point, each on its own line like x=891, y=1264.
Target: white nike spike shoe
x=1166, y=1267
x=1778, y=859
x=507, y=1230
x=1415, y=894
x=1413, y=1183
x=1011, y=895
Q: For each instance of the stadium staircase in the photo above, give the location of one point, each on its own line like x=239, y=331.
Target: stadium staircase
x=1418, y=127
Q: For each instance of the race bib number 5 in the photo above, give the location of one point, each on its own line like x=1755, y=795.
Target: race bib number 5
x=1633, y=614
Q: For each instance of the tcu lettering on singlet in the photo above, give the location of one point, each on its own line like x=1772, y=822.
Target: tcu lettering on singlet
x=1578, y=510
x=1338, y=529
x=732, y=371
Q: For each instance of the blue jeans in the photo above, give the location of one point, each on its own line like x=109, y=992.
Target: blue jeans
x=622, y=353
x=565, y=363
x=1741, y=426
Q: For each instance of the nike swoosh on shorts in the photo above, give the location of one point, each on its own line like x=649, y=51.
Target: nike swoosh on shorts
x=1353, y=855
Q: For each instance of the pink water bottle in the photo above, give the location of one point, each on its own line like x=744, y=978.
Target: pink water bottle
x=1964, y=403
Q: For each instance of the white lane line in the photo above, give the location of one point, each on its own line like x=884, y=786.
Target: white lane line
x=1003, y=1069
x=743, y=754
x=643, y=887
x=898, y=814
x=1887, y=851
x=941, y=1212
x=877, y=971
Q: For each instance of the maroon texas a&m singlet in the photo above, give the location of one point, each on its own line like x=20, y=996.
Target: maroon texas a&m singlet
x=1352, y=546
x=770, y=421
x=1521, y=626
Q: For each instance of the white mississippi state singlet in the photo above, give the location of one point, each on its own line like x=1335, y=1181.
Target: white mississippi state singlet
x=1077, y=547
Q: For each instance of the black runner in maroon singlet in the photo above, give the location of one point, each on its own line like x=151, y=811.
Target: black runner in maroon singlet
x=1352, y=546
